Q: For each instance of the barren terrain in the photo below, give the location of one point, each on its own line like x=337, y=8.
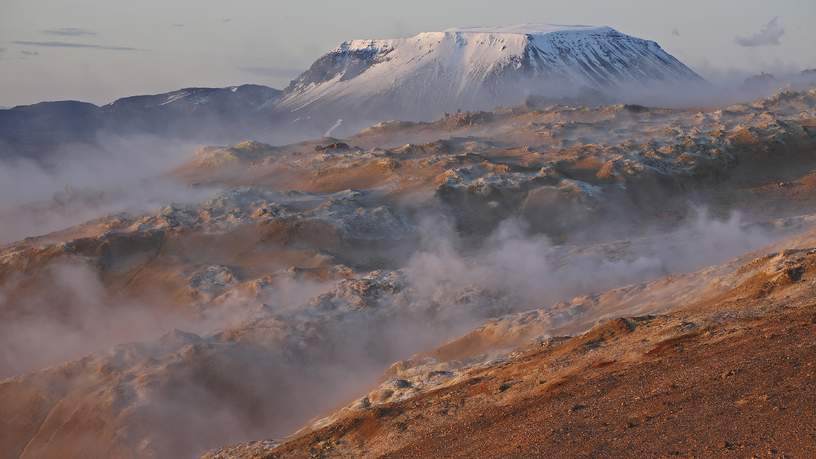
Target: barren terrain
x=549, y=279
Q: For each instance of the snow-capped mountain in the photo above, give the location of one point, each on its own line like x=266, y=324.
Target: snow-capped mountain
x=362, y=82
x=477, y=68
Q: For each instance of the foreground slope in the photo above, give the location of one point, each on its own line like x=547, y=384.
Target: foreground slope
x=727, y=369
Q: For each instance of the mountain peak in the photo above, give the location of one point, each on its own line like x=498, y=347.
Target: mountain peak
x=474, y=68
x=518, y=32
x=531, y=29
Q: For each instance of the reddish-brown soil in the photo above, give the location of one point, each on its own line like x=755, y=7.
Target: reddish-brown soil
x=730, y=377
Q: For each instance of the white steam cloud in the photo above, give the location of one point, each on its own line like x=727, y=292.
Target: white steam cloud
x=769, y=35
x=78, y=184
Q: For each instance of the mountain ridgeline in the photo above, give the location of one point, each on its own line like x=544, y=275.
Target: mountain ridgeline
x=362, y=82
x=201, y=114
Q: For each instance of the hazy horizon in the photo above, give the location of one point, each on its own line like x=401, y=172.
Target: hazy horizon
x=89, y=50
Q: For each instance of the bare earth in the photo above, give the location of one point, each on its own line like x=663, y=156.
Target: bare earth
x=552, y=281
x=730, y=376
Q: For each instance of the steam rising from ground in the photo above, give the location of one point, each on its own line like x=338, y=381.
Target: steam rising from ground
x=81, y=183
x=72, y=317
x=511, y=270
x=537, y=273
x=302, y=356
x=264, y=366
x=450, y=286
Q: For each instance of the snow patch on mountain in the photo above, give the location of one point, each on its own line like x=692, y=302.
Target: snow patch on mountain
x=425, y=75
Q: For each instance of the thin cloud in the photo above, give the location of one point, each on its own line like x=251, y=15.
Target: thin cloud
x=65, y=44
x=69, y=32
x=272, y=72
x=769, y=35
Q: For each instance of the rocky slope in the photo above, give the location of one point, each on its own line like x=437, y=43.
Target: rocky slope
x=609, y=164
x=725, y=370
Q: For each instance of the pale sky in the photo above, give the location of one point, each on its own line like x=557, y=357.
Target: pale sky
x=99, y=50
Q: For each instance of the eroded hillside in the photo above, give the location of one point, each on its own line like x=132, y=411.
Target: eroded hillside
x=317, y=265
x=729, y=371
